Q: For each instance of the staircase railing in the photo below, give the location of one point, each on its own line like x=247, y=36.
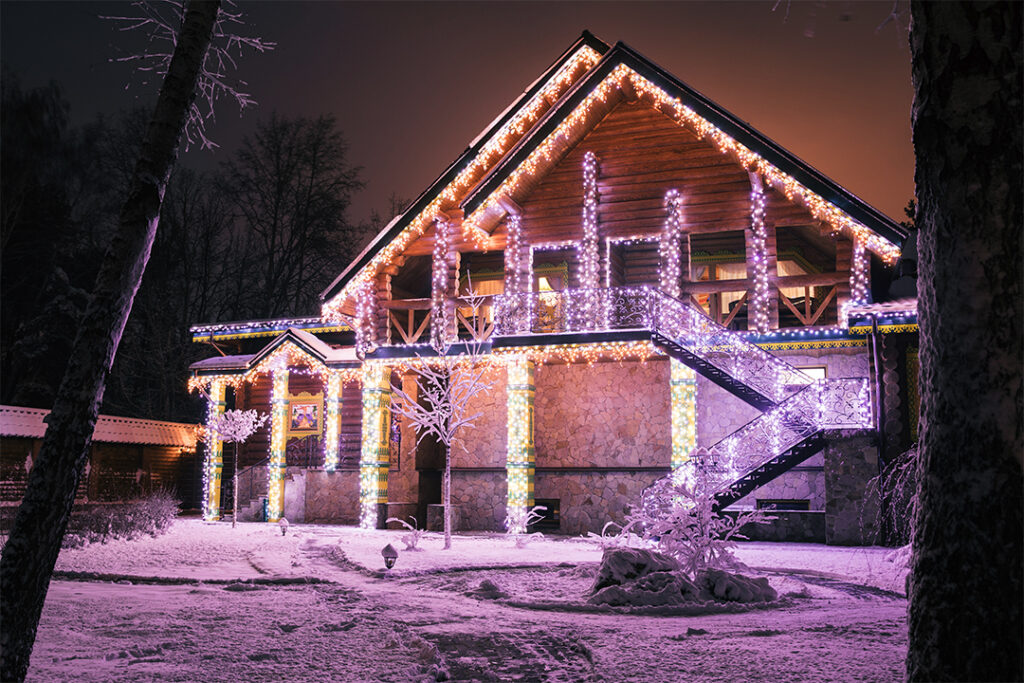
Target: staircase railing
x=825, y=404
x=253, y=482
x=696, y=335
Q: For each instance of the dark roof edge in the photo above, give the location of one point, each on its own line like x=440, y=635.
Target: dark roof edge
x=740, y=131
x=397, y=225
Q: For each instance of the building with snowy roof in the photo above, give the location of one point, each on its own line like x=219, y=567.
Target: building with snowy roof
x=649, y=281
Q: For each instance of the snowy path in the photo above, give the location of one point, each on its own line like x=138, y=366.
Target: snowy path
x=358, y=627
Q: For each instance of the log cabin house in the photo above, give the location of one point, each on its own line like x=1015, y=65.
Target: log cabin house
x=655, y=275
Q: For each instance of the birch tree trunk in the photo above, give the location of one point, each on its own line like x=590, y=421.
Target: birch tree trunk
x=34, y=543
x=966, y=600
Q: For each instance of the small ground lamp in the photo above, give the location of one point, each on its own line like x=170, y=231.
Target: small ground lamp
x=390, y=555
x=283, y=524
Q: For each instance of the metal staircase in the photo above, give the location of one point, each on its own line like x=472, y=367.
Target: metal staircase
x=796, y=409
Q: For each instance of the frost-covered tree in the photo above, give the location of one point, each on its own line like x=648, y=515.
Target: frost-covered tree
x=39, y=525
x=966, y=597
x=441, y=405
x=235, y=426
x=678, y=514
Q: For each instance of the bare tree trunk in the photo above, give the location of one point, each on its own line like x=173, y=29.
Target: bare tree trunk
x=965, y=616
x=446, y=497
x=234, y=491
x=34, y=542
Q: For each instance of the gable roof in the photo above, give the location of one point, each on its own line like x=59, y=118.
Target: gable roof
x=753, y=150
x=310, y=345
x=587, y=42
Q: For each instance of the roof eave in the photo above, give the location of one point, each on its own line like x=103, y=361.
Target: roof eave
x=395, y=227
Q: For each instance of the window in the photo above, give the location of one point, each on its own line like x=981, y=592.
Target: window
x=813, y=371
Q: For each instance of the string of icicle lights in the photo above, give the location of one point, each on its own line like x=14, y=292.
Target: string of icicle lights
x=491, y=152
x=620, y=77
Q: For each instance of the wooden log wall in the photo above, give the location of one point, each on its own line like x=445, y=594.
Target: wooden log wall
x=256, y=395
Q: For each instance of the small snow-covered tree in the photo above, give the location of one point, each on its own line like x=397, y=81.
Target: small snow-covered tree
x=235, y=426
x=445, y=388
x=677, y=513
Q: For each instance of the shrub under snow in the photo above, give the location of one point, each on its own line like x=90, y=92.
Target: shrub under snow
x=150, y=516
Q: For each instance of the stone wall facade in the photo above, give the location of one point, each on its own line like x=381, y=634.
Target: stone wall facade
x=481, y=497
x=603, y=415
x=332, y=496
x=588, y=500
x=602, y=435
x=851, y=511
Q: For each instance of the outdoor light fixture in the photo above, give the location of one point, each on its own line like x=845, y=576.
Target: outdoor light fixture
x=390, y=556
x=283, y=523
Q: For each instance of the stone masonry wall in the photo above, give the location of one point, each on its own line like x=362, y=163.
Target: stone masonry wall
x=332, y=496
x=851, y=460
x=481, y=498
x=485, y=441
x=588, y=500
x=603, y=415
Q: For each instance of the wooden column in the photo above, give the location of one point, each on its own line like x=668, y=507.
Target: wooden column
x=214, y=464
x=762, y=263
x=520, y=457
x=375, y=455
x=844, y=260
x=444, y=283
x=278, y=444
x=332, y=419
x=683, y=388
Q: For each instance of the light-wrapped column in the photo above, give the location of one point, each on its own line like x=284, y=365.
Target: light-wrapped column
x=376, y=448
x=520, y=455
x=683, y=384
x=278, y=444
x=514, y=275
x=589, y=247
x=860, y=278
x=332, y=427
x=442, y=311
x=670, y=271
x=214, y=465
x=757, y=262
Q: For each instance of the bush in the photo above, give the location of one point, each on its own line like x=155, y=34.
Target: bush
x=896, y=487
x=677, y=514
x=149, y=516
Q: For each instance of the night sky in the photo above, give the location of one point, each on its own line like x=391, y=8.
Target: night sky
x=411, y=84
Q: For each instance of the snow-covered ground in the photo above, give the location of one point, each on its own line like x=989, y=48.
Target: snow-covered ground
x=207, y=602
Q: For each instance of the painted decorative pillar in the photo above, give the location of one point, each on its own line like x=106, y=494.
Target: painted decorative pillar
x=375, y=455
x=278, y=444
x=214, y=465
x=332, y=426
x=683, y=384
x=669, y=255
x=519, y=464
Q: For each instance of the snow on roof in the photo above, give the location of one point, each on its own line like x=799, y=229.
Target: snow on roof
x=31, y=422
x=894, y=307
x=223, y=363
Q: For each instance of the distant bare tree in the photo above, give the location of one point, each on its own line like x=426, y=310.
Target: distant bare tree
x=289, y=186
